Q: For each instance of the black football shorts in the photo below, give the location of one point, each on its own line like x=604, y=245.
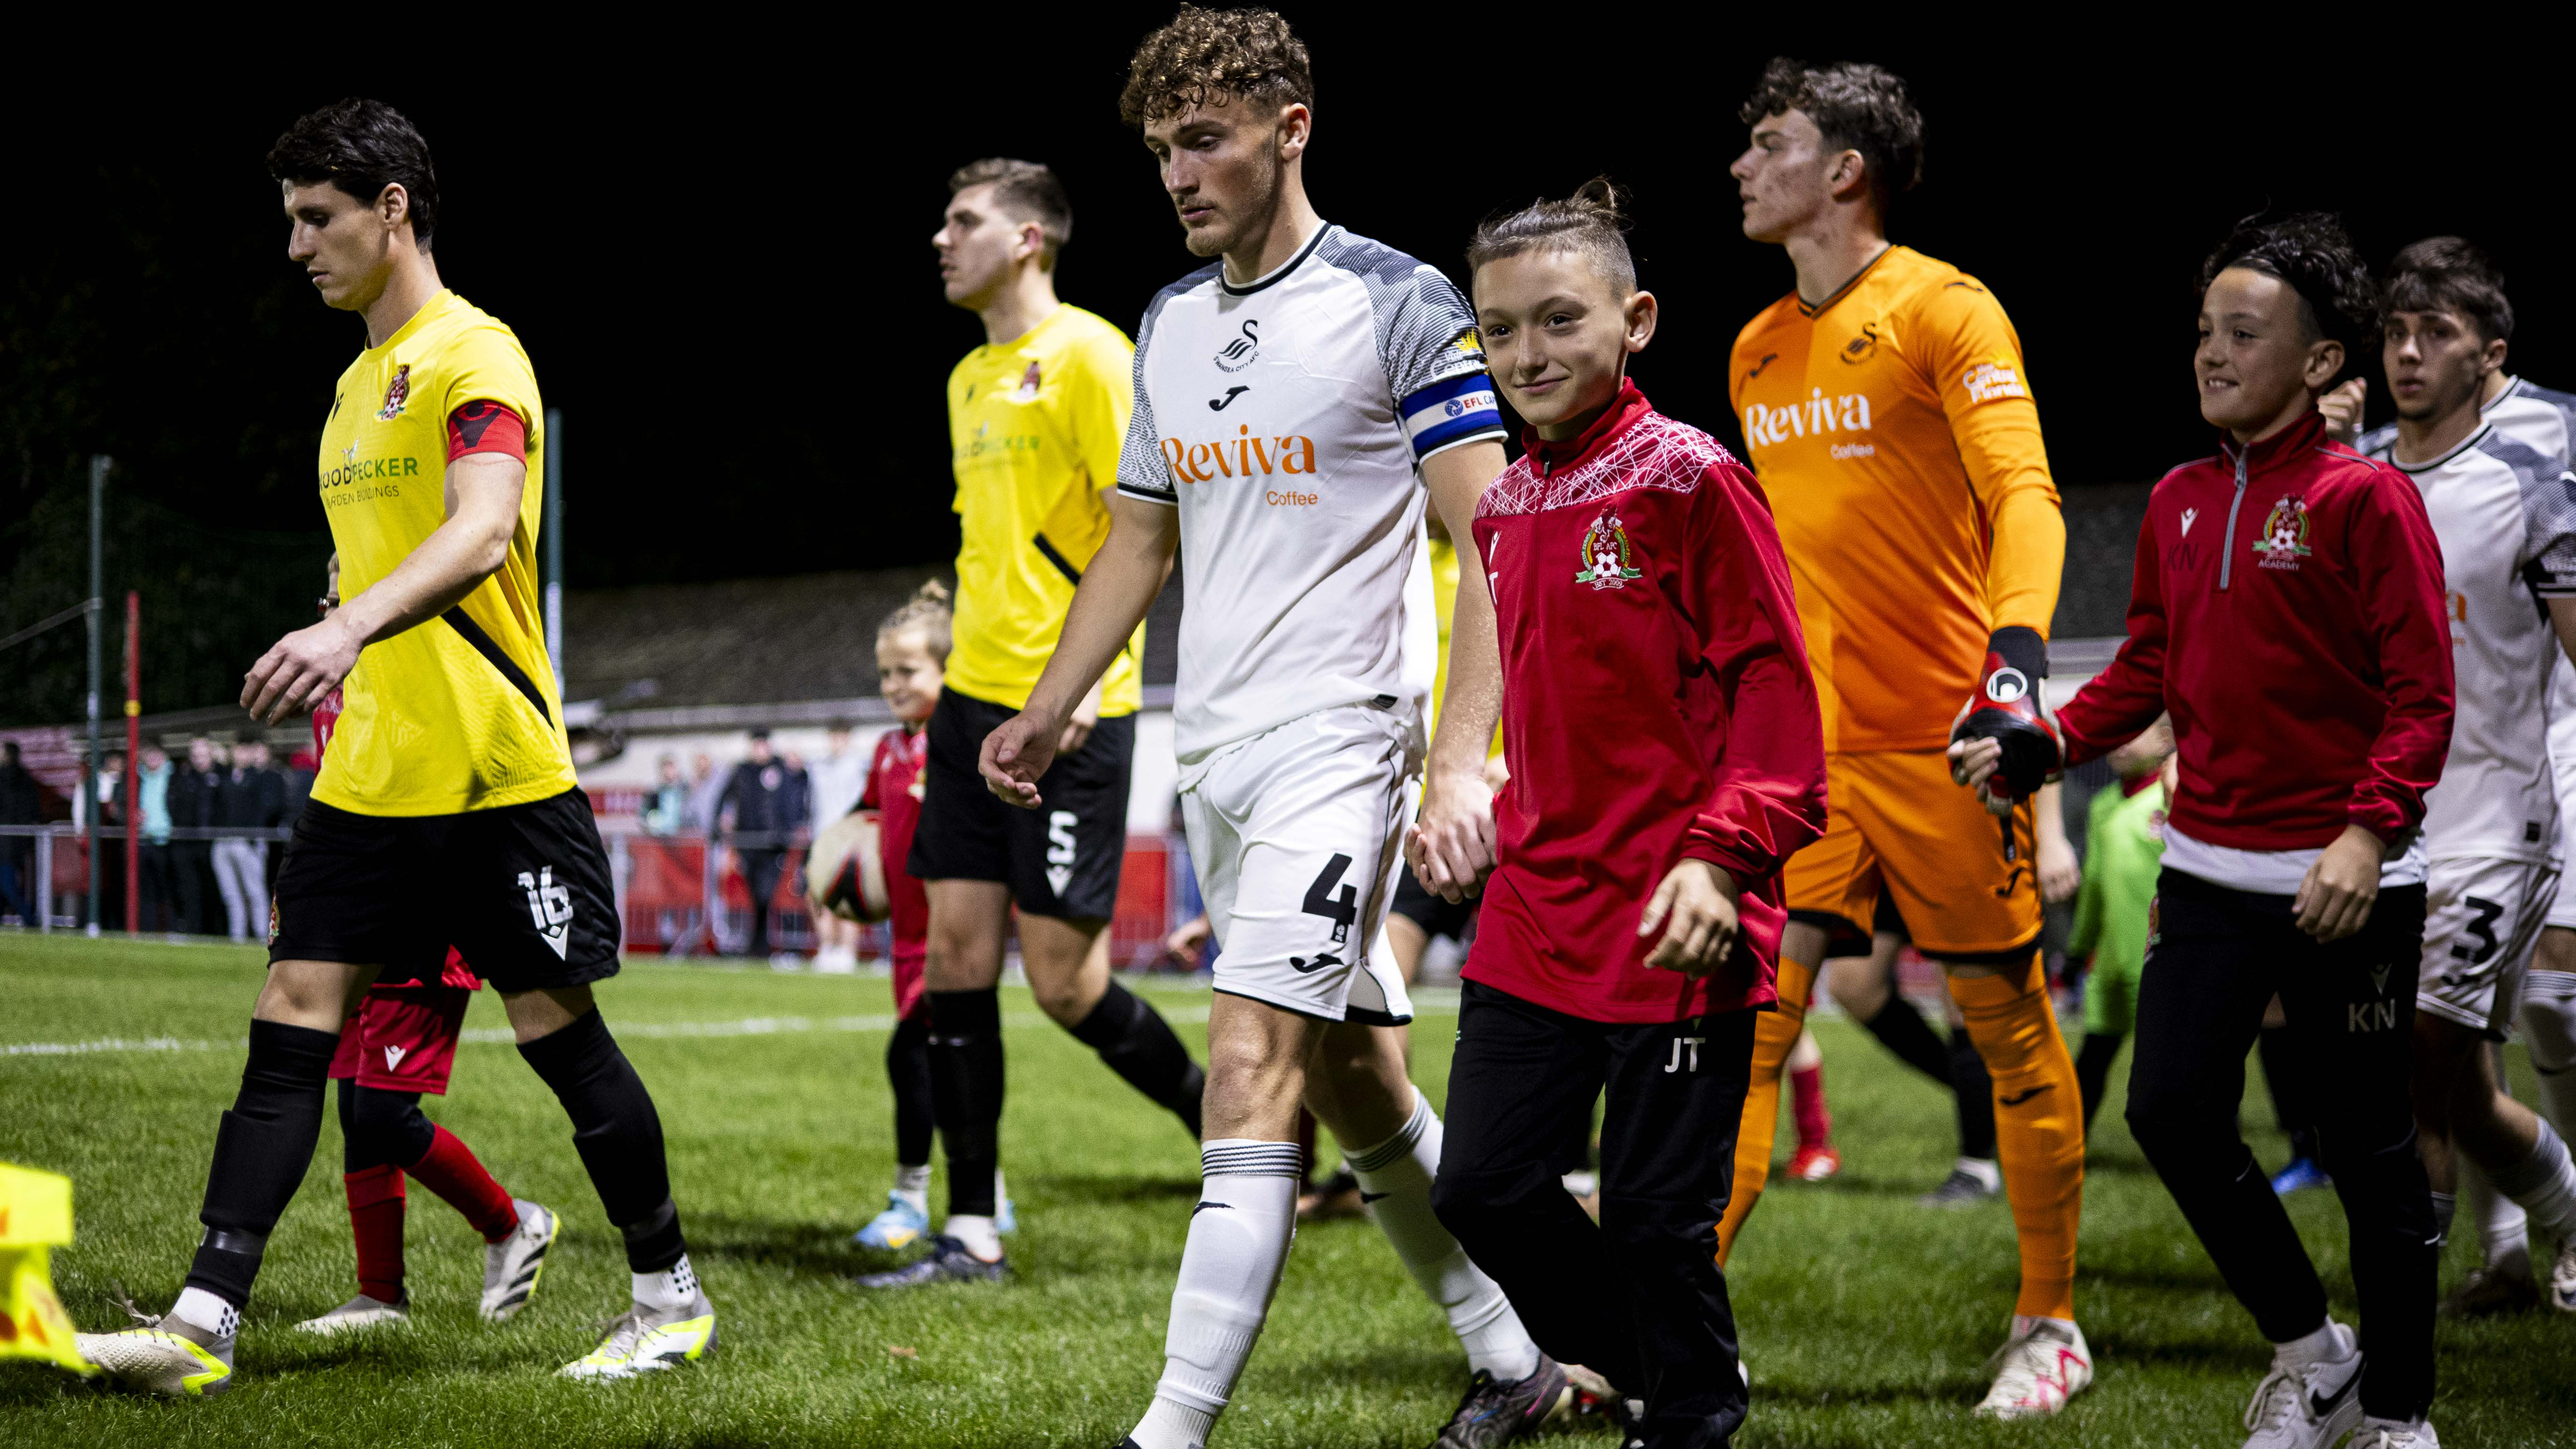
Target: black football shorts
x=1060, y=859
x=522, y=892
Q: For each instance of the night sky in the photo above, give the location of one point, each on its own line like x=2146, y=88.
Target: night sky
x=721, y=267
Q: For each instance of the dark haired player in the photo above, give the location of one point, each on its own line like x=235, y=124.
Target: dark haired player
x=2506, y=517
x=1035, y=420
x=447, y=811
x=2543, y=421
x=1630, y=921
x=1887, y=410
x=2288, y=610
x=1350, y=382
x=401, y=1044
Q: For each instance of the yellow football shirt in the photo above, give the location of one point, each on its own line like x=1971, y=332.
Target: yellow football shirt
x=459, y=713
x=1444, y=607
x=1034, y=429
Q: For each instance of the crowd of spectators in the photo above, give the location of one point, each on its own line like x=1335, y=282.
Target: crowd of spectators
x=207, y=856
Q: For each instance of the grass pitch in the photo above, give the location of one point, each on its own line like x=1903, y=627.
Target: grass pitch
x=1865, y=1318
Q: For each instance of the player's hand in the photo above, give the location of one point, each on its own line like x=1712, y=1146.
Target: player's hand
x=1086, y=717
x=2341, y=410
x=1698, y=900
x=1016, y=757
x=2060, y=874
x=1451, y=845
x=299, y=670
x=1183, y=946
x=2335, y=898
x=1973, y=763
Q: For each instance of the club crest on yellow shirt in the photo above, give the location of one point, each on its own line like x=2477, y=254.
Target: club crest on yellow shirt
x=397, y=393
x=1606, y=555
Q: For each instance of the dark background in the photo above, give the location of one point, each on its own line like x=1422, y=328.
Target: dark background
x=721, y=266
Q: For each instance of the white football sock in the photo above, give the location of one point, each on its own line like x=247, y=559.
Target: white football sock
x=2331, y=1343
x=2544, y=1183
x=912, y=1184
x=2446, y=1205
x=981, y=1238
x=201, y=1309
x=1983, y=1169
x=674, y=1287
x=1395, y=1182
x=2503, y=1231
x=2549, y=1029
x=1239, y=1236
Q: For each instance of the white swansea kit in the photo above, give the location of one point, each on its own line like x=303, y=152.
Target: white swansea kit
x=1286, y=419
x=2506, y=516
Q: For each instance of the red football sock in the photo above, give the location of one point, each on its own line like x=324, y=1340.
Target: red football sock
x=376, y=1220
x=1807, y=1092
x=449, y=1169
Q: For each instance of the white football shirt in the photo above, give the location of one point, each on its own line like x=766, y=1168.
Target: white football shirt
x=1285, y=418
x=2506, y=517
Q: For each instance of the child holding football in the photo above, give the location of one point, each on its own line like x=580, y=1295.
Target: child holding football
x=1667, y=758
x=912, y=656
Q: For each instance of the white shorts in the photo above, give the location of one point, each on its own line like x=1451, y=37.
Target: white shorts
x=1297, y=834
x=2481, y=918
x=2562, y=762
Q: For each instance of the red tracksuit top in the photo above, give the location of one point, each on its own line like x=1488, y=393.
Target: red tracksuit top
x=894, y=792
x=2288, y=609
x=1656, y=706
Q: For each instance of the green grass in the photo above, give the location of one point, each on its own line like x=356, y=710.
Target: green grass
x=1866, y=1319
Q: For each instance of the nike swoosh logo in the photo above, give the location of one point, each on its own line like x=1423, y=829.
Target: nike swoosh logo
x=2021, y=1097
x=1217, y=404
x=1203, y=1207
x=2320, y=1407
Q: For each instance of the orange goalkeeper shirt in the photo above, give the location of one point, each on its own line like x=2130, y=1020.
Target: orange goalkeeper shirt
x=1892, y=426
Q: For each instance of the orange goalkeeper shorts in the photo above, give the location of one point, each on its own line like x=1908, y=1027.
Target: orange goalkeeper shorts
x=1898, y=824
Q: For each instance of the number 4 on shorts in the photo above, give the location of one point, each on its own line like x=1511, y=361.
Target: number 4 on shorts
x=1339, y=907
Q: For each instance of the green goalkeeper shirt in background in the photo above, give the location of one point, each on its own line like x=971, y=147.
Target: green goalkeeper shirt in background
x=2124, y=848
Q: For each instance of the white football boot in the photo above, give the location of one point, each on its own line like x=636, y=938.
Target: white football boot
x=512, y=1266
x=159, y=1361
x=2562, y=1278
x=2310, y=1406
x=2395, y=1434
x=360, y=1312
x=2044, y=1364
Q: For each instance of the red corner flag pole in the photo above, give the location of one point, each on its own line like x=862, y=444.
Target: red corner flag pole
x=128, y=790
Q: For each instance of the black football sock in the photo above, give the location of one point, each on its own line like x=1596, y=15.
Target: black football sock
x=966, y=1082
x=1976, y=1097
x=2093, y=1070
x=617, y=1133
x=1901, y=1029
x=380, y=1128
x=908, y=1073
x=261, y=1151
x=1139, y=1045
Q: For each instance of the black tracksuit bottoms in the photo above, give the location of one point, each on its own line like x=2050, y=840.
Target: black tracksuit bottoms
x=2215, y=958
x=1638, y=1298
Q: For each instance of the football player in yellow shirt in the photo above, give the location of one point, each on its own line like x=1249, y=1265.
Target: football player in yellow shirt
x=1035, y=418
x=446, y=811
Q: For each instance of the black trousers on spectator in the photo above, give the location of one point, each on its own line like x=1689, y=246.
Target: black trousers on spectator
x=18, y=878
x=760, y=872
x=192, y=866
x=2217, y=958
x=1638, y=1298
x=159, y=865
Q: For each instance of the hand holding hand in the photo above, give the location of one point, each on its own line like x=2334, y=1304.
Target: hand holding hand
x=1698, y=900
x=1451, y=846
